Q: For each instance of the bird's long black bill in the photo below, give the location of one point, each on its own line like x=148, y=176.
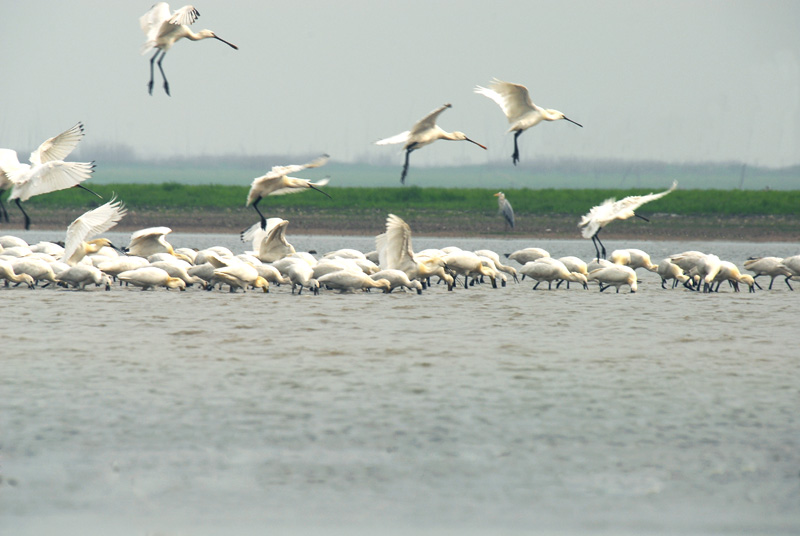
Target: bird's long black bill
x=320, y=191
x=88, y=190
x=573, y=122
x=476, y=143
x=227, y=43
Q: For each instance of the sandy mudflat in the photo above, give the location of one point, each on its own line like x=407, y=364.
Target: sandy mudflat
x=423, y=223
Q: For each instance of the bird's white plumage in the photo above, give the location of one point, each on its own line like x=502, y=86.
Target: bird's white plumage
x=269, y=244
x=152, y=22
x=50, y=177
x=514, y=100
x=611, y=209
x=397, y=138
x=47, y=171
x=422, y=133
x=146, y=242
x=277, y=181
x=394, y=246
x=92, y=223
x=58, y=147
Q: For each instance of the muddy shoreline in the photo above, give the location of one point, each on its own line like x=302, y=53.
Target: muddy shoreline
x=450, y=224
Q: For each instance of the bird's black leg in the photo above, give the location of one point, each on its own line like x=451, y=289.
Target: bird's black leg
x=596, y=249
x=515, y=156
x=787, y=282
x=166, y=84
x=27, y=219
x=642, y=218
x=263, y=219
x=152, y=61
x=405, y=165
x=3, y=211
x=595, y=241
x=602, y=247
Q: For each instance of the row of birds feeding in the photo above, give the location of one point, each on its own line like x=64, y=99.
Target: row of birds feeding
x=151, y=261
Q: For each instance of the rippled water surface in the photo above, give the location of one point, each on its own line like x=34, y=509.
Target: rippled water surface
x=489, y=411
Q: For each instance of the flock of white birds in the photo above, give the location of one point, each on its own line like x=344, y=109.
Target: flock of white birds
x=149, y=261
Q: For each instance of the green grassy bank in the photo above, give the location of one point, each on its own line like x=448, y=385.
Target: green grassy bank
x=188, y=198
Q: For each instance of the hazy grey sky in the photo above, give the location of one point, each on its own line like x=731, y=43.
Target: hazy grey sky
x=675, y=81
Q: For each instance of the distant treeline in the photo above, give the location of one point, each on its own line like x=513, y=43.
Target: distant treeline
x=180, y=197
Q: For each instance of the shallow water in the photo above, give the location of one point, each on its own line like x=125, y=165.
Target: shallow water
x=484, y=411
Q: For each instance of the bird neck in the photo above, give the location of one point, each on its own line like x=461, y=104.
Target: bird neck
x=202, y=34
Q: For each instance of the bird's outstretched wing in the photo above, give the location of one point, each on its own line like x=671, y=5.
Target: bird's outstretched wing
x=151, y=21
x=58, y=147
x=185, y=15
x=429, y=121
x=282, y=171
x=397, y=138
x=284, y=191
x=11, y=170
x=150, y=232
x=394, y=246
x=51, y=177
x=92, y=223
x=513, y=99
x=635, y=201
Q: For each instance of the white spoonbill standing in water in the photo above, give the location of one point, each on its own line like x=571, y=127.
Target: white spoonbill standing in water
x=521, y=112
x=601, y=215
x=163, y=29
x=424, y=132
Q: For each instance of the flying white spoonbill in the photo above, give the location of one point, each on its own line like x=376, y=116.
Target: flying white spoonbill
x=521, y=112
x=91, y=223
x=601, y=215
x=277, y=182
x=163, y=29
x=47, y=171
x=505, y=208
x=424, y=132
